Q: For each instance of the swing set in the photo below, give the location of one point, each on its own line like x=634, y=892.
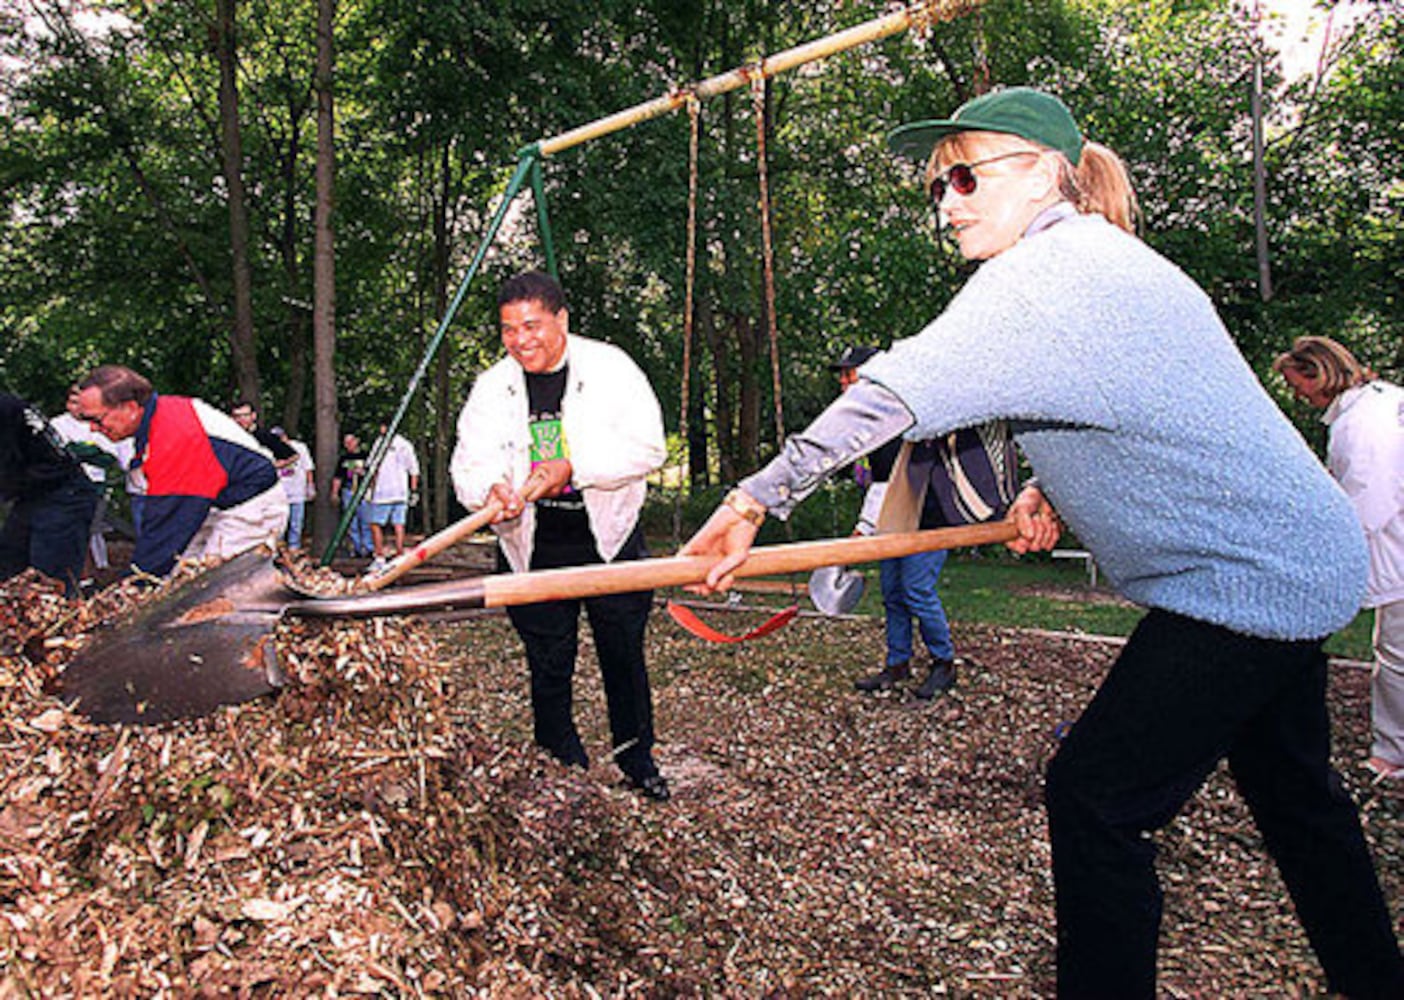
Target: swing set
x=922, y=16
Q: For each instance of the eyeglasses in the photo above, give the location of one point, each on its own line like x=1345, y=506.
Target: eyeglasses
x=961, y=176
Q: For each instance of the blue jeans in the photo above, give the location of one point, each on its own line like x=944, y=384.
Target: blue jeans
x=358, y=531
x=909, y=591
x=297, y=513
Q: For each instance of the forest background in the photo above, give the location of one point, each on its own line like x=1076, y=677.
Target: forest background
x=278, y=200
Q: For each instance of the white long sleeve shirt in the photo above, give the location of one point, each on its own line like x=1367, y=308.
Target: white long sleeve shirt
x=612, y=423
x=1365, y=453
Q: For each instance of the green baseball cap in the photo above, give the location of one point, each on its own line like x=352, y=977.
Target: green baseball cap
x=1023, y=111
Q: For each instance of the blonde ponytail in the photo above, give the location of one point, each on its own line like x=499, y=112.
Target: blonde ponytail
x=1101, y=184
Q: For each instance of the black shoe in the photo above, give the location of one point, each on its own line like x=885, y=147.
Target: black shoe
x=939, y=681
x=652, y=786
x=884, y=678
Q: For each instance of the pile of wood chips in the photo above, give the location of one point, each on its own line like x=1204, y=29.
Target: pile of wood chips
x=294, y=845
x=384, y=827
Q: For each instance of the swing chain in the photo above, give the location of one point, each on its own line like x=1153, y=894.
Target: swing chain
x=694, y=113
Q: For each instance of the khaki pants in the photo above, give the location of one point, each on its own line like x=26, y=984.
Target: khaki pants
x=1387, y=686
x=226, y=533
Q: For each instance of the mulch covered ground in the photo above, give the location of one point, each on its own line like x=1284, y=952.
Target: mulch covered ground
x=385, y=828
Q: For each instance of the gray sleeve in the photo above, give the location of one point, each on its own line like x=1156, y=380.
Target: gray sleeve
x=865, y=417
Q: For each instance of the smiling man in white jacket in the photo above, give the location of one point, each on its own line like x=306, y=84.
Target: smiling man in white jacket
x=578, y=418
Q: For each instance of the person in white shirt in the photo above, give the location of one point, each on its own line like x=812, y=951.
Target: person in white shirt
x=393, y=491
x=1365, y=452
x=98, y=454
x=298, y=484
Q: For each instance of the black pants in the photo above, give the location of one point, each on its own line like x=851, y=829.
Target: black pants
x=50, y=532
x=549, y=631
x=1182, y=696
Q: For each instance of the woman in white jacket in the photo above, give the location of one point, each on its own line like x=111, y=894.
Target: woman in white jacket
x=1365, y=452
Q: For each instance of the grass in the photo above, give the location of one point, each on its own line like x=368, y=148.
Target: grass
x=989, y=587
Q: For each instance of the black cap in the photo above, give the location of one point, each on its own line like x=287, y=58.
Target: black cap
x=853, y=355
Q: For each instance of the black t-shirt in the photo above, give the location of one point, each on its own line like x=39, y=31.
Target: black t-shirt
x=33, y=459
x=559, y=519
x=350, y=469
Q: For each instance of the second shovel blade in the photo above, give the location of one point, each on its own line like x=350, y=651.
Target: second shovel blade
x=207, y=643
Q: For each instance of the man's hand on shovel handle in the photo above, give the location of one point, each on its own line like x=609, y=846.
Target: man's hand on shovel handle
x=1038, y=524
x=546, y=479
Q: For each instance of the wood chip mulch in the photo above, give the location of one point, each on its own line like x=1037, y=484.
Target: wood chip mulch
x=384, y=827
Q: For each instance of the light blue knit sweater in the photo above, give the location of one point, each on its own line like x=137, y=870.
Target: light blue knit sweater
x=1148, y=432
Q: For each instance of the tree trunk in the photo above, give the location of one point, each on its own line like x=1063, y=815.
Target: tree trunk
x=324, y=286
x=1260, y=184
x=443, y=402
x=723, y=389
x=745, y=331
x=297, y=314
x=241, y=340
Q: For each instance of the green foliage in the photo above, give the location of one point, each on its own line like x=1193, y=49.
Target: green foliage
x=116, y=243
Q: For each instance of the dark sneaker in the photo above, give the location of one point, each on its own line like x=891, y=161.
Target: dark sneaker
x=885, y=678
x=652, y=786
x=939, y=681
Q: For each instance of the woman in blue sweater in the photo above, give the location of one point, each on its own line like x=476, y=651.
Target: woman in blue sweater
x=1156, y=444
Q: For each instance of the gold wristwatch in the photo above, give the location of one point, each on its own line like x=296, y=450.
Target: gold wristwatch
x=746, y=506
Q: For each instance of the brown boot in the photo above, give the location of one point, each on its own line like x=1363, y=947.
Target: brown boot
x=939, y=681
x=885, y=678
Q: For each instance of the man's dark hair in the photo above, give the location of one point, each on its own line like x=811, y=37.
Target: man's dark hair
x=117, y=384
x=533, y=286
x=240, y=404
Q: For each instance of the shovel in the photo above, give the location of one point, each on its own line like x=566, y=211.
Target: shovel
x=450, y=536
x=210, y=641
x=432, y=546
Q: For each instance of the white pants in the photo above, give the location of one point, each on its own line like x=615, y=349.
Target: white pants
x=1387, y=685
x=226, y=533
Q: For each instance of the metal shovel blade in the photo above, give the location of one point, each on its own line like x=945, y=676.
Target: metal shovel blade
x=207, y=643
x=835, y=590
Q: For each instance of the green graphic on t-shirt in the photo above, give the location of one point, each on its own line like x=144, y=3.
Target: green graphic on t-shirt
x=547, y=441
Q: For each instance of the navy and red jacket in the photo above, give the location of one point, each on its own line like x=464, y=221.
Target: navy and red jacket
x=190, y=458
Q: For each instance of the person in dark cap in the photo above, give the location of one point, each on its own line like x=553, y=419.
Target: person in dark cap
x=1104, y=356
x=982, y=461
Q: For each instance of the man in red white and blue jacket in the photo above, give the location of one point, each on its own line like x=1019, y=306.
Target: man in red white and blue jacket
x=207, y=488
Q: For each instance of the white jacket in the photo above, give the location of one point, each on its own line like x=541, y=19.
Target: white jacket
x=612, y=425
x=1366, y=455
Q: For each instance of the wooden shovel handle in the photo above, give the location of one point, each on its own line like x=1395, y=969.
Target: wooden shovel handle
x=645, y=574
x=450, y=536
x=510, y=589
x=435, y=544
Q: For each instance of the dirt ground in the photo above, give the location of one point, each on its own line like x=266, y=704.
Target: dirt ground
x=384, y=827
x=824, y=841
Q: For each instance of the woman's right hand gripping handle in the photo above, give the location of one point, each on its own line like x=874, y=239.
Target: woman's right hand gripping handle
x=728, y=534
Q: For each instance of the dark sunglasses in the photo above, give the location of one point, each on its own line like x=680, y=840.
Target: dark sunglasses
x=960, y=177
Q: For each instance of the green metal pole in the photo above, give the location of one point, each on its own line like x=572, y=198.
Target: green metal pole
x=527, y=157
x=543, y=224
